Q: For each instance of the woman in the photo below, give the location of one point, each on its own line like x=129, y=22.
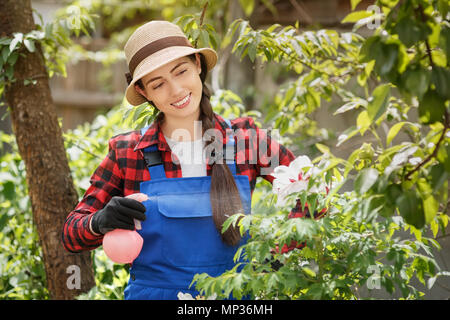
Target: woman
x=188, y=200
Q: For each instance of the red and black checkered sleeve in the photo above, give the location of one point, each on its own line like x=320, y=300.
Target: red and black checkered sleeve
x=105, y=183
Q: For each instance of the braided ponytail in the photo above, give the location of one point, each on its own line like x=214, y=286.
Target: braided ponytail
x=224, y=194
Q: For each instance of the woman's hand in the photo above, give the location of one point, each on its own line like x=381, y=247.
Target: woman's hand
x=118, y=214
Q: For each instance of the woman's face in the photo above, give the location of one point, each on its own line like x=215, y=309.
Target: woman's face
x=175, y=89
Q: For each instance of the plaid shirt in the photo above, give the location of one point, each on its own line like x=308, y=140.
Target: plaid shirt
x=123, y=169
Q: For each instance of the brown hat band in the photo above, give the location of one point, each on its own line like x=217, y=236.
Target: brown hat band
x=153, y=47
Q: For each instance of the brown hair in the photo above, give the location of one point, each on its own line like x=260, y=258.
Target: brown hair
x=224, y=194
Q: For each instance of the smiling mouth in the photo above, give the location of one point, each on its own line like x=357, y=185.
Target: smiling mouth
x=183, y=102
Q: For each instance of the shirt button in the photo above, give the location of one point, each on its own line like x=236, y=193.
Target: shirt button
x=133, y=277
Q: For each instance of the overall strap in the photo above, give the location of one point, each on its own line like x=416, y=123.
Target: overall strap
x=155, y=165
x=229, y=149
x=152, y=157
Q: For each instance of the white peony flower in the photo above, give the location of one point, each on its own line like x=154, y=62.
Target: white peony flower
x=184, y=296
x=212, y=297
x=294, y=178
x=188, y=296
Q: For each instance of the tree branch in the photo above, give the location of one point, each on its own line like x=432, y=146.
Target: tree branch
x=203, y=13
x=446, y=115
x=427, y=159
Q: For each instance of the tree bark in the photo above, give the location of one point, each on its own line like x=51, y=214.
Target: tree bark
x=41, y=146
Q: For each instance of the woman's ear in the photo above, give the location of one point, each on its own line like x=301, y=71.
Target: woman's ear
x=140, y=91
x=198, y=63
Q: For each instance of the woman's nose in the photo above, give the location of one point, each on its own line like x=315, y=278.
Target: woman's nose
x=176, y=89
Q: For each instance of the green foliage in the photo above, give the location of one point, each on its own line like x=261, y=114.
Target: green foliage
x=416, y=68
x=110, y=279
x=404, y=186
x=350, y=248
x=53, y=38
x=323, y=62
x=199, y=33
x=22, y=272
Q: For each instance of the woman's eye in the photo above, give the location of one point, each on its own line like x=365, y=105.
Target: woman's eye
x=182, y=72
x=159, y=85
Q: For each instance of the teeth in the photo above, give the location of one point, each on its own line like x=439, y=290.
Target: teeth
x=182, y=101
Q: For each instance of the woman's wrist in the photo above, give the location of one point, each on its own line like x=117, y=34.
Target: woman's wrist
x=90, y=227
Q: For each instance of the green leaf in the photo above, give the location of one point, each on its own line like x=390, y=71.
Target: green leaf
x=438, y=176
x=204, y=36
x=444, y=40
x=351, y=161
x=315, y=291
x=4, y=218
x=214, y=40
x=431, y=282
x=431, y=107
x=410, y=31
x=5, y=53
x=322, y=148
x=230, y=221
x=29, y=44
x=347, y=134
x=247, y=6
x=354, y=104
x=354, y=3
x=363, y=122
x=373, y=205
x=387, y=211
x=433, y=38
x=441, y=79
x=252, y=51
x=443, y=156
x=18, y=37
x=312, y=202
x=13, y=58
x=377, y=106
x=444, y=8
x=5, y=41
x=355, y=16
x=370, y=46
x=416, y=80
x=385, y=63
x=394, y=131
x=8, y=190
x=410, y=207
x=10, y=72
x=272, y=282
x=309, y=272
x=290, y=95
x=430, y=208
x=393, y=192
x=365, y=180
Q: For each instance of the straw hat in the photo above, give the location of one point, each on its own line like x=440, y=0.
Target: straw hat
x=153, y=45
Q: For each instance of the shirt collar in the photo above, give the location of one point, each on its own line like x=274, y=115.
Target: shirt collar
x=154, y=134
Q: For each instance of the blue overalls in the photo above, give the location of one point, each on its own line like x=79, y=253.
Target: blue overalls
x=180, y=237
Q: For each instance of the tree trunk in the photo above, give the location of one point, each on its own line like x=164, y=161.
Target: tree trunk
x=41, y=146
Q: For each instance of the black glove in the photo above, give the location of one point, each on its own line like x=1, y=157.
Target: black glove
x=118, y=214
